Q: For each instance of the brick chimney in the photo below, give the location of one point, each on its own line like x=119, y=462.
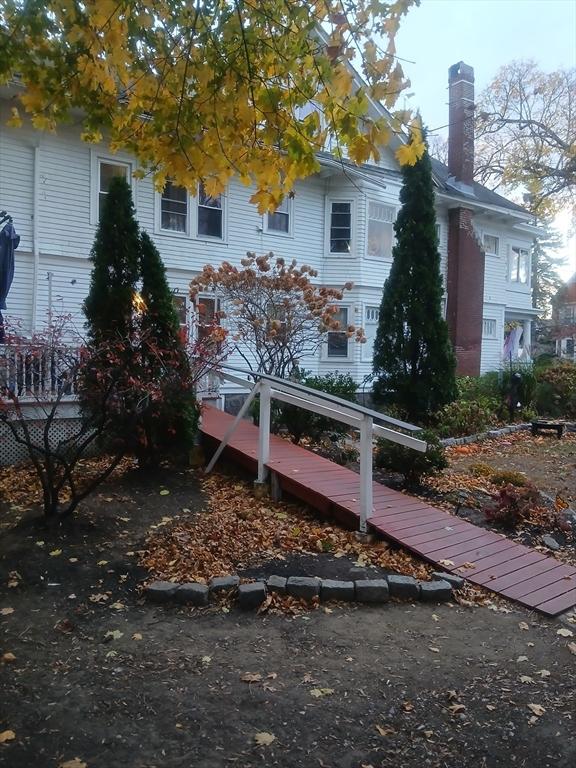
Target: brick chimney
x=465, y=274
x=461, y=119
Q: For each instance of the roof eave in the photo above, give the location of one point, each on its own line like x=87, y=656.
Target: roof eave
x=478, y=205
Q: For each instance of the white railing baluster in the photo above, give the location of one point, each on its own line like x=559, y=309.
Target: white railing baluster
x=264, y=431
x=366, y=488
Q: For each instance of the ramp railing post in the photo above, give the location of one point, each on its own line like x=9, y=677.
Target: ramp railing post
x=264, y=432
x=366, y=489
x=232, y=427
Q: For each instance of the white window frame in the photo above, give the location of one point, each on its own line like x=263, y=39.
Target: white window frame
x=349, y=350
x=195, y=313
x=367, y=349
x=96, y=160
x=486, y=332
x=289, y=202
x=224, y=209
x=159, y=229
x=192, y=229
x=394, y=213
x=522, y=250
x=340, y=254
x=497, y=238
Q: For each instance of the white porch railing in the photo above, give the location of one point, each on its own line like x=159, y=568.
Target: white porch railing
x=36, y=374
x=356, y=416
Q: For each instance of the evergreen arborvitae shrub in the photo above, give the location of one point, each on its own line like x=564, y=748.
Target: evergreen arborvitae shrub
x=414, y=364
x=115, y=257
x=110, y=324
x=171, y=424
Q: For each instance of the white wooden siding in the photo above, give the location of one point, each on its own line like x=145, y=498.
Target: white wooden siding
x=65, y=197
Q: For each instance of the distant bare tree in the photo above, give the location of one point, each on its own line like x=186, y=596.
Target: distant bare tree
x=526, y=135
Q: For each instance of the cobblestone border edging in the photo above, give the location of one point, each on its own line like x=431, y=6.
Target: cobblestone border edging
x=252, y=594
x=448, y=441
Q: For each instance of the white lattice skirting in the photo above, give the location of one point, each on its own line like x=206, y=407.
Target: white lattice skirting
x=66, y=425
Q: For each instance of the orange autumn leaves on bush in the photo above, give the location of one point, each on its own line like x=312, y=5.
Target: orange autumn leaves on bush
x=275, y=309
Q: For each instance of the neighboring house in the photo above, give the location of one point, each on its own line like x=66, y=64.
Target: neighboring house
x=564, y=320
x=340, y=222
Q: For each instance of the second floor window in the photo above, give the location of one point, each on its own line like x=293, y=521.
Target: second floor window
x=279, y=221
x=491, y=244
x=340, y=227
x=519, y=266
x=380, y=230
x=174, y=208
x=108, y=170
x=210, y=214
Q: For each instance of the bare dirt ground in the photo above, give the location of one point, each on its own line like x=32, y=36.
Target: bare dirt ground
x=100, y=676
x=548, y=462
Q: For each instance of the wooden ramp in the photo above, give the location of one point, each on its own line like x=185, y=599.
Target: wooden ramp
x=483, y=557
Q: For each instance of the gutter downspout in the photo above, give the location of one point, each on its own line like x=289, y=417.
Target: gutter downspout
x=35, y=235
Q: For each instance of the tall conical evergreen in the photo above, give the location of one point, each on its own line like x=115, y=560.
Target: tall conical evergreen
x=413, y=364
x=173, y=421
x=115, y=257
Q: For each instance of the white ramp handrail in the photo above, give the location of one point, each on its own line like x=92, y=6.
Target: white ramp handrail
x=357, y=416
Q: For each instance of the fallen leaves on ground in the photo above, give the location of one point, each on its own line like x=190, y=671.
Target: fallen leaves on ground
x=536, y=709
x=7, y=736
x=264, y=739
x=572, y=648
x=7, y=658
x=74, y=763
x=19, y=484
x=237, y=531
x=319, y=693
x=6, y=611
x=563, y=632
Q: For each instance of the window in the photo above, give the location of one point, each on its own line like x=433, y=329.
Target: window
x=181, y=308
x=108, y=170
x=340, y=227
x=174, y=208
x=371, y=316
x=337, y=345
x=489, y=328
x=279, y=221
x=519, y=265
x=380, y=230
x=207, y=315
x=210, y=214
x=491, y=244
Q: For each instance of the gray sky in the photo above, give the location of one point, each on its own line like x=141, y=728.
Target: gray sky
x=485, y=34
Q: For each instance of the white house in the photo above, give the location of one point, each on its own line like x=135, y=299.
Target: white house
x=340, y=222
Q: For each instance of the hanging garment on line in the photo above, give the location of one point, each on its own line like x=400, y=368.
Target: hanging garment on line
x=9, y=241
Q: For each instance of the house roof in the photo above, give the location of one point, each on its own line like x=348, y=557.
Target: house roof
x=474, y=193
